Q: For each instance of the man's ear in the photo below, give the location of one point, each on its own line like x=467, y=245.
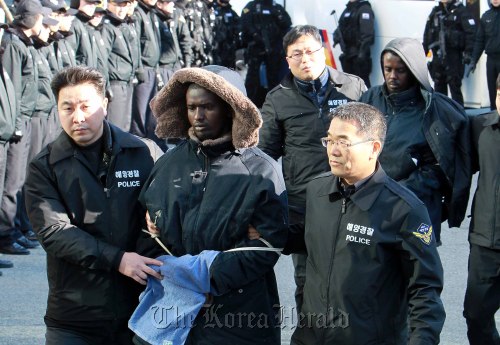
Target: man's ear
x=105, y=105
x=376, y=149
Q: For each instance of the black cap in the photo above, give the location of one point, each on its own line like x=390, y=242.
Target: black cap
x=59, y=6
x=47, y=20
x=31, y=8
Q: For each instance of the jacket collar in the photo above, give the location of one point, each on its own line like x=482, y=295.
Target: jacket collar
x=336, y=78
x=491, y=119
x=115, y=140
x=365, y=197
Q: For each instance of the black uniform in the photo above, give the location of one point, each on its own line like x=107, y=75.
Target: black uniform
x=198, y=22
x=85, y=221
x=449, y=33
x=488, y=40
x=482, y=297
x=18, y=61
x=373, y=268
x=64, y=50
x=176, y=42
x=119, y=43
x=263, y=25
x=148, y=28
x=355, y=34
x=226, y=35
x=85, y=50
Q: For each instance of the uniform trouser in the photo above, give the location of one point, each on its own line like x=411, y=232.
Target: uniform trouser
x=15, y=174
x=141, y=112
x=482, y=296
x=255, y=85
x=109, y=333
x=299, y=264
x=359, y=67
x=4, y=147
x=120, y=107
x=492, y=71
x=43, y=131
x=449, y=75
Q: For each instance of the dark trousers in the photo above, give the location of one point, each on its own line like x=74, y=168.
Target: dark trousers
x=4, y=148
x=120, y=106
x=263, y=75
x=141, y=112
x=15, y=174
x=482, y=297
x=449, y=75
x=108, y=333
x=299, y=263
x=359, y=67
x=492, y=71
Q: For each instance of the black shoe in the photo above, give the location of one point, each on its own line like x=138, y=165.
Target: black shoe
x=6, y=264
x=14, y=249
x=30, y=235
x=27, y=243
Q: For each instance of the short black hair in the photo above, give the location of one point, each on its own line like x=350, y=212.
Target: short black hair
x=297, y=32
x=72, y=76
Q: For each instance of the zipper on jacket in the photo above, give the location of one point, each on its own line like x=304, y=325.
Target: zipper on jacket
x=331, y=266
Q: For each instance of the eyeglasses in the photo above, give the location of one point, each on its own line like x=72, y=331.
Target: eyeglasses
x=341, y=143
x=299, y=55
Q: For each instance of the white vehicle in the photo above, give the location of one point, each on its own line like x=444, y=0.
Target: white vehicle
x=393, y=18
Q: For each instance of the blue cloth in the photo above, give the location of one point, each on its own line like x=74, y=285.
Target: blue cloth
x=168, y=307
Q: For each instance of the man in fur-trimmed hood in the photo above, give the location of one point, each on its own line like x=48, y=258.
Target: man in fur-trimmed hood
x=204, y=194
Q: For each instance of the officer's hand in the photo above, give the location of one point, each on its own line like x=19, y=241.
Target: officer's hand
x=152, y=228
x=253, y=234
x=140, y=75
x=16, y=137
x=136, y=267
x=467, y=58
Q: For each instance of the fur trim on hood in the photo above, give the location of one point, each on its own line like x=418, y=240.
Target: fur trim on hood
x=169, y=105
x=412, y=53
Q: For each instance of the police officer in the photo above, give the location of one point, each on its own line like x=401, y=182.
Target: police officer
x=356, y=34
x=85, y=50
x=374, y=275
x=8, y=114
x=263, y=25
x=487, y=39
x=147, y=25
x=195, y=13
x=62, y=42
x=18, y=61
x=295, y=113
x=122, y=65
x=449, y=33
x=226, y=34
x=95, y=31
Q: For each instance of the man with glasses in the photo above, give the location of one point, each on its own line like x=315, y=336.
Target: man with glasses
x=373, y=271
x=296, y=115
x=427, y=147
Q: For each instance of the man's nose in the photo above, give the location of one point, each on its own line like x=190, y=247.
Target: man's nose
x=199, y=113
x=78, y=116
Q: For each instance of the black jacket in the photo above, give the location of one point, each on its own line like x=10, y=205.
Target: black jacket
x=46, y=100
x=446, y=130
x=83, y=46
x=372, y=267
x=148, y=32
x=86, y=225
x=487, y=37
x=356, y=27
x=294, y=124
x=176, y=40
x=64, y=50
x=119, y=49
x=8, y=106
x=485, y=223
x=18, y=61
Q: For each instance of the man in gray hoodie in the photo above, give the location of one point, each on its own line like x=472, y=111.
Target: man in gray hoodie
x=427, y=146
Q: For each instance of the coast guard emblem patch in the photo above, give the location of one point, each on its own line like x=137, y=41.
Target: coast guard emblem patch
x=424, y=233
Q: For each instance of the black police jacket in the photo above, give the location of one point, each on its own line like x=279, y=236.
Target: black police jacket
x=148, y=31
x=17, y=60
x=372, y=267
x=86, y=224
x=85, y=51
x=204, y=198
x=485, y=223
x=487, y=37
x=294, y=124
x=8, y=107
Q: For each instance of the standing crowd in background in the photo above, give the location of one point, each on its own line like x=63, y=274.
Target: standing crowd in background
x=93, y=93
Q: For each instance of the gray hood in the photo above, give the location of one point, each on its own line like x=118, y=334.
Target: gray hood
x=169, y=105
x=412, y=53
